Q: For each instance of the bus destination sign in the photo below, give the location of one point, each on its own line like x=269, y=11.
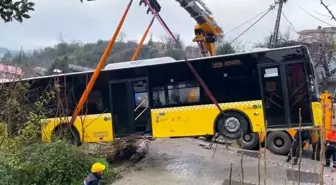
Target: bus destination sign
x=226, y=64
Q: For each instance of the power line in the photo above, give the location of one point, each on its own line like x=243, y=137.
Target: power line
x=271, y=8
x=289, y=22
x=322, y=14
x=247, y=21
x=316, y=17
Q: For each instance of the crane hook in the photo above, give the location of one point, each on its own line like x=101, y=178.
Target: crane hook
x=153, y=3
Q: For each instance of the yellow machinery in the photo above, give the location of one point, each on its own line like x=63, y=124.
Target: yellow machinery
x=207, y=31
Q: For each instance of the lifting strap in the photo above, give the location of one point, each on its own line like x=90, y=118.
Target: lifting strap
x=99, y=67
x=197, y=76
x=136, y=53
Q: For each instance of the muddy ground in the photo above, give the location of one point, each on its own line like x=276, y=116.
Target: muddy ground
x=184, y=161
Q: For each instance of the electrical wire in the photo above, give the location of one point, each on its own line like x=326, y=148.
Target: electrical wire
x=270, y=9
x=289, y=22
x=322, y=14
x=246, y=21
x=316, y=17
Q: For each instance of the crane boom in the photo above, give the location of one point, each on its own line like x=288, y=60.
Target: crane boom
x=207, y=31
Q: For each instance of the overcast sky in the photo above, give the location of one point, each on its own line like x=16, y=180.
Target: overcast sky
x=91, y=21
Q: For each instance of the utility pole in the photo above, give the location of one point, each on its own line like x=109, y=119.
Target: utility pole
x=274, y=37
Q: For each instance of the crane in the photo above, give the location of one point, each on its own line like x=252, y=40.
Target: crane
x=207, y=31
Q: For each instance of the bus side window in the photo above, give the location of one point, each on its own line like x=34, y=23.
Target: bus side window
x=183, y=93
x=32, y=96
x=95, y=103
x=159, y=99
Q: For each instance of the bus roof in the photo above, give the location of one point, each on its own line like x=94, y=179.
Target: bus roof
x=159, y=61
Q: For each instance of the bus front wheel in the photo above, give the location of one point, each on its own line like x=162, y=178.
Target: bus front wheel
x=278, y=142
x=250, y=141
x=232, y=125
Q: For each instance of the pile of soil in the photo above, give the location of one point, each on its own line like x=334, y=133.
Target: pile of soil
x=131, y=147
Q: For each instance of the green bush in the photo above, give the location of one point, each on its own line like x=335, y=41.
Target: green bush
x=49, y=164
x=24, y=159
x=110, y=174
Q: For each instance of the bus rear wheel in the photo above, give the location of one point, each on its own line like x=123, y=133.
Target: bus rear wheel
x=278, y=142
x=67, y=133
x=250, y=141
x=232, y=125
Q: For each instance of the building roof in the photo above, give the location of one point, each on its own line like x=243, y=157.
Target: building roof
x=10, y=69
x=318, y=30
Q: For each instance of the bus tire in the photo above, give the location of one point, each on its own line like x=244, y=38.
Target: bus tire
x=68, y=133
x=232, y=125
x=250, y=141
x=279, y=142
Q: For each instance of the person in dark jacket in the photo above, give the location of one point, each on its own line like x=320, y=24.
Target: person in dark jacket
x=295, y=148
x=94, y=177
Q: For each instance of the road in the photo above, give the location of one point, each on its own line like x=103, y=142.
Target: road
x=184, y=161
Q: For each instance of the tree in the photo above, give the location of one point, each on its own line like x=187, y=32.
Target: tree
x=329, y=11
x=174, y=47
x=121, y=37
x=17, y=10
x=59, y=64
x=7, y=56
x=225, y=48
x=283, y=40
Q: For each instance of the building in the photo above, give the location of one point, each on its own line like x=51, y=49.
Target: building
x=321, y=43
x=40, y=71
x=8, y=72
x=319, y=35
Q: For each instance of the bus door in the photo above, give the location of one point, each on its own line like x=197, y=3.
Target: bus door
x=298, y=94
x=140, y=107
x=128, y=106
x=273, y=91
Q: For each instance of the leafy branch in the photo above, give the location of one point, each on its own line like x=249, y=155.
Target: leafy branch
x=15, y=10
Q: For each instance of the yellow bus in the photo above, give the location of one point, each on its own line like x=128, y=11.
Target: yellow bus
x=160, y=97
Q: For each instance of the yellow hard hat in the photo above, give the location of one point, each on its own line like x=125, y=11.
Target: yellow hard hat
x=97, y=167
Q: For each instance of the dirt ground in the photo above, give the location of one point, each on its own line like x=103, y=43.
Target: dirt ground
x=184, y=161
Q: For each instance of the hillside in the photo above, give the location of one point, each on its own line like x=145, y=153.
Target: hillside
x=88, y=54
x=4, y=50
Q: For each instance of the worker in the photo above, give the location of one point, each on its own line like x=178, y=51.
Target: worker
x=295, y=148
x=331, y=147
x=96, y=172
